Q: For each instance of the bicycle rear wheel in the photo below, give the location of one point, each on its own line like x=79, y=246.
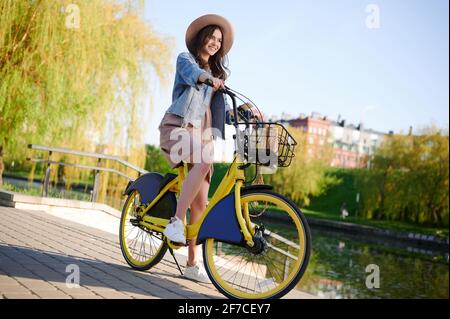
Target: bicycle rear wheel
x=278, y=259
x=141, y=248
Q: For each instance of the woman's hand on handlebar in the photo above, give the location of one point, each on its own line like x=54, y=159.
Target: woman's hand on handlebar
x=217, y=84
x=252, y=112
x=258, y=114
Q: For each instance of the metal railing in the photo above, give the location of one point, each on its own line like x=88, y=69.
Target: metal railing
x=97, y=169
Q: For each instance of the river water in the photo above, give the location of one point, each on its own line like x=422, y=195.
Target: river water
x=344, y=267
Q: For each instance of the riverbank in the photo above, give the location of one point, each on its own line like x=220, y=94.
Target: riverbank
x=322, y=207
x=395, y=226
x=417, y=239
x=328, y=206
x=411, y=238
x=428, y=241
x=79, y=186
x=435, y=238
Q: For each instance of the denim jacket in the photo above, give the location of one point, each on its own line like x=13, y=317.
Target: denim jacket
x=189, y=98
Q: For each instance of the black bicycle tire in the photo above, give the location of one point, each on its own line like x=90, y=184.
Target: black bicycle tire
x=158, y=257
x=308, y=247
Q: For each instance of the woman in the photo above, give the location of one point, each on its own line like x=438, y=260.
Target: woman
x=196, y=108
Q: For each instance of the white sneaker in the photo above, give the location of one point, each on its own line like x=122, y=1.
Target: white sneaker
x=175, y=231
x=197, y=273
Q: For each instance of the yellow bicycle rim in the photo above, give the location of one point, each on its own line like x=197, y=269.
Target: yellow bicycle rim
x=216, y=264
x=140, y=247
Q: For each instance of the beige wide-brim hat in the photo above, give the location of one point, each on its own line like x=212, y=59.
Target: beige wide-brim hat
x=208, y=19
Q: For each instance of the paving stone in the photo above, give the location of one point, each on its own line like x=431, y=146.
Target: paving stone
x=88, y=297
x=14, y=289
x=12, y=295
x=36, y=248
x=113, y=295
x=7, y=281
x=142, y=296
x=38, y=285
x=55, y=294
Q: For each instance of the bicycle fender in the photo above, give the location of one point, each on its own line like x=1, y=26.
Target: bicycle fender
x=147, y=185
x=221, y=223
x=256, y=186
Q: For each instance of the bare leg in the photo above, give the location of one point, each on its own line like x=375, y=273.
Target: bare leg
x=191, y=186
x=198, y=206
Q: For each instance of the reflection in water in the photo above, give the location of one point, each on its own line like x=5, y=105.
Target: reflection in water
x=337, y=269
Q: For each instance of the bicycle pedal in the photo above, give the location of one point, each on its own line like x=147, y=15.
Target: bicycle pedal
x=174, y=244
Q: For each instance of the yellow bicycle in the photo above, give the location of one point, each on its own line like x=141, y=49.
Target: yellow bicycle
x=256, y=242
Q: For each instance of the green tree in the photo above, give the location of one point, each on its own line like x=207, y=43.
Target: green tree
x=306, y=176
x=72, y=75
x=155, y=160
x=408, y=180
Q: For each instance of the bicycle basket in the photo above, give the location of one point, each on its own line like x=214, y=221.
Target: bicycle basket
x=268, y=144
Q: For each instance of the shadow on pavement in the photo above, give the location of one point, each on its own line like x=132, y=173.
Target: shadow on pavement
x=23, y=262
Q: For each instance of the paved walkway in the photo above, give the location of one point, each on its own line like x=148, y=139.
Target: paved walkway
x=38, y=252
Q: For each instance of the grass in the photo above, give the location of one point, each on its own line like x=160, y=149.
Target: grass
x=26, y=191
x=34, y=191
x=336, y=195
x=23, y=175
x=328, y=205
x=220, y=170
x=382, y=224
x=38, y=176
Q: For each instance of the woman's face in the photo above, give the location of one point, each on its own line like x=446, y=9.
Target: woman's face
x=213, y=43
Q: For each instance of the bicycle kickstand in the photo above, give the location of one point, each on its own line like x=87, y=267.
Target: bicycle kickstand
x=173, y=255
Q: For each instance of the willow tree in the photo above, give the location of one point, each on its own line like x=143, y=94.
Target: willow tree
x=306, y=176
x=408, y=180
x=73, y=75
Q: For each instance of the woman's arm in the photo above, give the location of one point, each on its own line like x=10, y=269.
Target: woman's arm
x=191, y=73
x=189, y=70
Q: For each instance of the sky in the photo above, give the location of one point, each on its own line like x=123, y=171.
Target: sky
x=328, y=56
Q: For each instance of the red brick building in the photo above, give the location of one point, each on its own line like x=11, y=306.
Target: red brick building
x=352, y=145
x=316, y=128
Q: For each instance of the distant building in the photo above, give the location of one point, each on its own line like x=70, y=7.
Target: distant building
x=352, y=145
x=316, y=127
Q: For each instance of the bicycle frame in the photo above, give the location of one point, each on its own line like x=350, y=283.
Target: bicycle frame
x=226, y=217
x=233, y=178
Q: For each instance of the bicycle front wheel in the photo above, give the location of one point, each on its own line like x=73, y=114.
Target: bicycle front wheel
x=277, y=261
x=141, y=248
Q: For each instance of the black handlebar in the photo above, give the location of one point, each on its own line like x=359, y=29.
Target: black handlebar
x=284, y=142
x=246, y=114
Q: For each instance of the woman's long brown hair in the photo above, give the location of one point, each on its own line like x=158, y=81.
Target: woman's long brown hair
x=217, y=61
